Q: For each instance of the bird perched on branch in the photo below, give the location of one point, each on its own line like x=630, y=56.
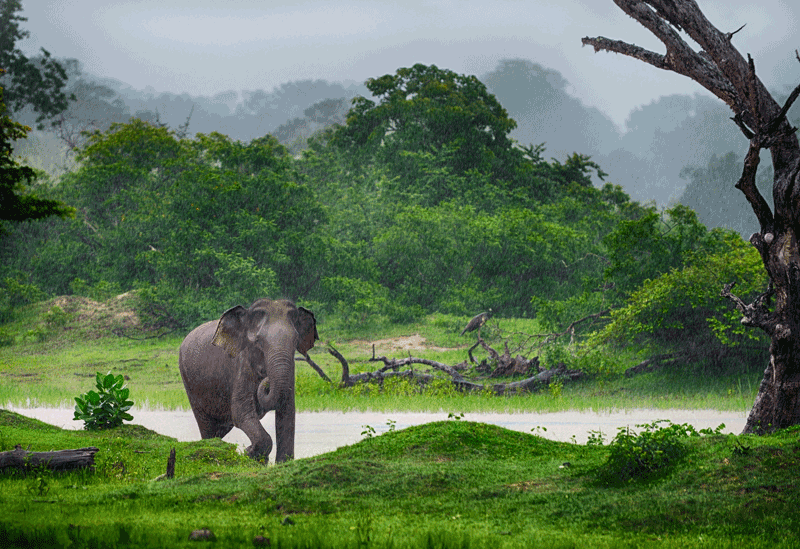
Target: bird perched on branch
x=477, y=321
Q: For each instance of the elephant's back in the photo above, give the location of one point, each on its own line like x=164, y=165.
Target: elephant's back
x=196, y=342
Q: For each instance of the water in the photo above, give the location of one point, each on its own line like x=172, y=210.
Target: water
x=320, y=432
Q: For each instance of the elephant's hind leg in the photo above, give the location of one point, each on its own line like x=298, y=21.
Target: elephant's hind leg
x=212, y=427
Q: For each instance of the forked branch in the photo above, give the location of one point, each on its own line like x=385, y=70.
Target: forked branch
x=756, y=314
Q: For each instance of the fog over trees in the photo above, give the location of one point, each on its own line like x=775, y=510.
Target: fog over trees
x=669, y=151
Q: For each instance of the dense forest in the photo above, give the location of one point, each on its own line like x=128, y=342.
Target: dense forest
x=419, y=202
x=417, y=192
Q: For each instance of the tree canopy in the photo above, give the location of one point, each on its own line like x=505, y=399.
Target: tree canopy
x=17, y=202
x=425, y=109
x=36, y=82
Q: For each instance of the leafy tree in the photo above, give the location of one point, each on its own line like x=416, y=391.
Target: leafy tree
x=39, y=83
x=426, y=109
x=644, y=248
x=228, y=221
x=17, y=203
x=681, y=311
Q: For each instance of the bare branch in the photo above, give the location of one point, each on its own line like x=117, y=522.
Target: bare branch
x=722, y=70
x=773, y=126
x=631, y=50
x=747, y=184
x=343, y=361
x=315, y=366
x=752, y=84
x=729, y=35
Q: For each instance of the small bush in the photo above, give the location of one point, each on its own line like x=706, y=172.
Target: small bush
x=56, y=317
x=101, y=290
x=6, y=337
x=645, y=455
x=107, y=407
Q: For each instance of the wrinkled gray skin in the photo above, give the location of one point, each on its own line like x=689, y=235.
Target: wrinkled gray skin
x=241, y=366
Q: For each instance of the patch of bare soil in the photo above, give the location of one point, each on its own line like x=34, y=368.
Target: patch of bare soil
x=404, y=343
x=94, y=317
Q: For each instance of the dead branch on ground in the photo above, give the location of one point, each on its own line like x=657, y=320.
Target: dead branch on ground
x=392, y=366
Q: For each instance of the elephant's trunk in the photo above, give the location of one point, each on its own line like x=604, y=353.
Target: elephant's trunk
x=276, y=392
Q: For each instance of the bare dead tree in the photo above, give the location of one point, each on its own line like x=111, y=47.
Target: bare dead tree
x=723, y=71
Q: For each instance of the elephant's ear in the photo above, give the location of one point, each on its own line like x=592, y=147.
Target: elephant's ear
x=306, y=329
x=229, y=330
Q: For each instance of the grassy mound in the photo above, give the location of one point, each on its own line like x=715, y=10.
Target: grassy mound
x=452, y=440
x=443, y=484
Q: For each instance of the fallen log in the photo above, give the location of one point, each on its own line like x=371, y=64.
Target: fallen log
x=59, y=460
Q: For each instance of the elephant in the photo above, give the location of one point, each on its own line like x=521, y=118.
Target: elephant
x=241, y=366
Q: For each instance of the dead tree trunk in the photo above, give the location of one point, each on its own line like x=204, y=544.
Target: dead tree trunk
x=722, y=70
x=60, y=460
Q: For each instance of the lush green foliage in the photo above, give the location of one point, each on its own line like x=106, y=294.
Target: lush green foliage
x=17, y=202
x=426, y=109
x=649, y=453
x=107, y=407
x=681, y=310
x=37, y=82
x=421, y=203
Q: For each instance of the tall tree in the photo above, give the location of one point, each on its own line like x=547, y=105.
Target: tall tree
x=425, y=109
x=17, y=203
x=37, y=82
x=721, y=69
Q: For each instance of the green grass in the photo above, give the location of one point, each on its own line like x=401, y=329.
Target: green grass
x=38, y=375
x=444, y=484
x=51, y=371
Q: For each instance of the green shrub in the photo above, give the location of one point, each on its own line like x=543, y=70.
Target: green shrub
x=647, y=454
x=107, y=407
x=6, y=337
x=56, y=317
x=14, y=294
x=99, y=291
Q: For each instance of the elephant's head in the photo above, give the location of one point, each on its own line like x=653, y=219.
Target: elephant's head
x=267, y=327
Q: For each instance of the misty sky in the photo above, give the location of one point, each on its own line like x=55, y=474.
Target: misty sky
x=208, y=46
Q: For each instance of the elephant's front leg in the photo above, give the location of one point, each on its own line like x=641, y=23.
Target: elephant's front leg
x=285, y=413
x=284, y=430
x=246, y=417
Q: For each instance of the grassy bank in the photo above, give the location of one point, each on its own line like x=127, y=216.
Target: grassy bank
x=55, y=356
x=38, y=374
x=446, y=484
